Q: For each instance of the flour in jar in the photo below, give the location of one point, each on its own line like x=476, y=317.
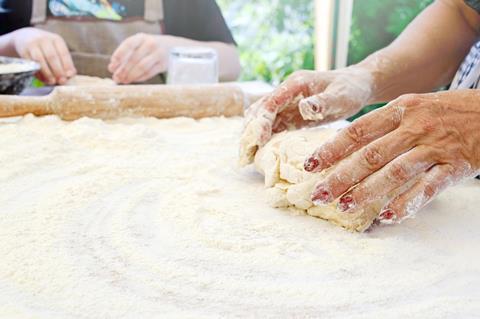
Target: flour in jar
x=147, y=218
x=14, y=68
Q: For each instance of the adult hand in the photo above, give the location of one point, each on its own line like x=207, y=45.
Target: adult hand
x=139, y=58
x=305, y=98
x=430, y=140
x=49, y=50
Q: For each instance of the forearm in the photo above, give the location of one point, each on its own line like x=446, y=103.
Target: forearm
x=427, y=54
x=7, y=47
x=229, y=61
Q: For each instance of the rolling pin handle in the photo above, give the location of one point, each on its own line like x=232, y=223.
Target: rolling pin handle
x=22, y=105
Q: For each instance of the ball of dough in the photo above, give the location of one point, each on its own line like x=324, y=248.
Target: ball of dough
x=289, y=186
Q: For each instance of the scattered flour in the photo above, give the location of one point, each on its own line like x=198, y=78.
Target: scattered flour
x=153, y=219
x=85, y=80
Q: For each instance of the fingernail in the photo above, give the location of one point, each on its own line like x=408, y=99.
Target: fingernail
x=346, y=203
x=321, y=196
x=62, y=80
x=387, y=216
x=316, y=108
x=314, y=104
x=310, y=164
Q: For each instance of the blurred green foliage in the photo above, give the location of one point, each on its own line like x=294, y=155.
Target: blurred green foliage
x=377, y=23
x=275, y=37
x=36, y=83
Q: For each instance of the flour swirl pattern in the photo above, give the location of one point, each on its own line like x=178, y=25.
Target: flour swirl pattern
x=147, y=218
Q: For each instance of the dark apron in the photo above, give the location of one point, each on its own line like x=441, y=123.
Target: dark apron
x=92, y=42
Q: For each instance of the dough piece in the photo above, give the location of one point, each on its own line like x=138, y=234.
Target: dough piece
x=289, y=185
x=85, y=80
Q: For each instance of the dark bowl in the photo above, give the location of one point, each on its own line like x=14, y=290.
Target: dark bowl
x=16, y=81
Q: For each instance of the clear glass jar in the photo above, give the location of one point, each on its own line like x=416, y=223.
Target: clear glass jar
x=192, y=65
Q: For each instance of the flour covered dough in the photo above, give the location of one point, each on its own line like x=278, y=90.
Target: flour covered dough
x=289, y=185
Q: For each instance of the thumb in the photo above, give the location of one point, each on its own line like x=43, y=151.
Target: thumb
x=256, y=134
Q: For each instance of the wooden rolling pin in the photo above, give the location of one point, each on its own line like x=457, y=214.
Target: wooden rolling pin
x=109, y=102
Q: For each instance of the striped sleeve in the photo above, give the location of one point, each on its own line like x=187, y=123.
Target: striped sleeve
x=475, y=4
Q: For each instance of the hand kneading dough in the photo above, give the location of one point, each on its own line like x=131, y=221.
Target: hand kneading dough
x=289, y=186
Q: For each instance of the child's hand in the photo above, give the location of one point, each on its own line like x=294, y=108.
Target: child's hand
x=49, y=50
x=139, y=58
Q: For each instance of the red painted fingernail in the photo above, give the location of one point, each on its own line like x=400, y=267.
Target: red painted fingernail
x=321, y=196
x=314, y=104
x=316, y=108
x=387, y=215
x=311, y=164
x=346, y=203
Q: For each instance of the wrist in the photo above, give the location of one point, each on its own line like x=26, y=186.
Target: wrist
x=18, y=38
x=165, y=41
x=7, y=45
x=363, y=79
x=377, y=66
x=169, y=41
